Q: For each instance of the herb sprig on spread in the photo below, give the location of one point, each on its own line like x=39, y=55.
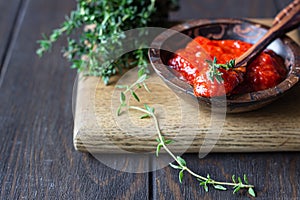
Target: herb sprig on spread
x=214, y=72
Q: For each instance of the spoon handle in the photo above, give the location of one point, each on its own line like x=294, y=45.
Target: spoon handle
x=287, y=20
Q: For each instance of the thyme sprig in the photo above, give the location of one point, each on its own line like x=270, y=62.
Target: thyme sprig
x=214, y=72
x=94, y=30
x=142, y=76
x=179, y=163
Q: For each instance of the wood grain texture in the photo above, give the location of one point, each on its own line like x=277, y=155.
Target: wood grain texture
x=280, y=4
x=8, y=19
x=195, y=9
x=37, y=157
x=275, y=176
x=97, y=129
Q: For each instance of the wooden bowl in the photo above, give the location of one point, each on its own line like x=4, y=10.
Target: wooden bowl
x=164, y=46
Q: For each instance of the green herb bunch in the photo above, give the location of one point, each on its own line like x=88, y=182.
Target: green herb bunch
x=101, y=24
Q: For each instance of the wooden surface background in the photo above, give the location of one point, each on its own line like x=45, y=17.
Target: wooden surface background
x=37, y=157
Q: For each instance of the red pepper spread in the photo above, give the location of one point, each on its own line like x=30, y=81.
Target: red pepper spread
x=266, y=71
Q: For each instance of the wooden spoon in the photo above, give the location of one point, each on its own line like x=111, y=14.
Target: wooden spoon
x=287, y=20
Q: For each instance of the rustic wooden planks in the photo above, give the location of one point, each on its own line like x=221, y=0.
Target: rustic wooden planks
x=195, y=9
x=8, y=20
x=37, y=157
x=262, y=169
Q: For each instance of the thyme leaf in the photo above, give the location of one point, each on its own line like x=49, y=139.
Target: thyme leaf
x=214, y=73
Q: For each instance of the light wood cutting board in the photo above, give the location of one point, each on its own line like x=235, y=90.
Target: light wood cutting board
x=97, y=129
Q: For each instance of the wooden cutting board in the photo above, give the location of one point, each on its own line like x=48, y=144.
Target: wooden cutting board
x=97, y=129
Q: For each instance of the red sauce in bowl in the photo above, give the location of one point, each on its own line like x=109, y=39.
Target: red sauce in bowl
x=266, y=71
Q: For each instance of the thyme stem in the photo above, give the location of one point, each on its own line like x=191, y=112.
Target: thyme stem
x=156, y=122
x=157, y=129
x=162, y=143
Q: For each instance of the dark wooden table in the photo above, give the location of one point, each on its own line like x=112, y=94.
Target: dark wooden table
x=37, y=158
